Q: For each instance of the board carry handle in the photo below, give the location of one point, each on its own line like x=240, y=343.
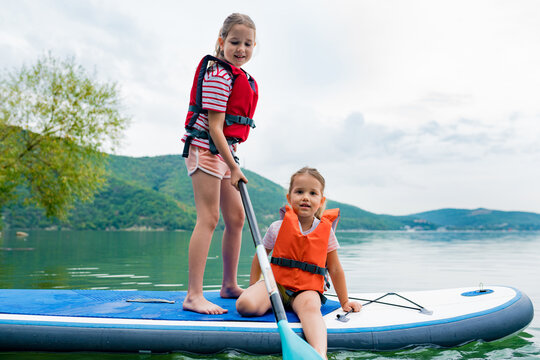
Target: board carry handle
x=293, y=346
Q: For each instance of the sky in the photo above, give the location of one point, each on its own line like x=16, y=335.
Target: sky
x=403, y=105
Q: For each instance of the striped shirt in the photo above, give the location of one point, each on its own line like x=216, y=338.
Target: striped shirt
x=269, y=240
x=216, y=89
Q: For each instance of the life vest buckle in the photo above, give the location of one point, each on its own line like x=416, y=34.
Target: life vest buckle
x=311, y=268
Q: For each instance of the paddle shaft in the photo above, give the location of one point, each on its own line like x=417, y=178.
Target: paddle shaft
x=271, y=287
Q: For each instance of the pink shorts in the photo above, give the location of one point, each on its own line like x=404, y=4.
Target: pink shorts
x=207, y=162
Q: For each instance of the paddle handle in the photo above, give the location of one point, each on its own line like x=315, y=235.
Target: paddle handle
x=262, y=256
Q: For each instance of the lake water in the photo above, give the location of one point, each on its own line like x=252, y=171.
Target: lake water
x=373, y=261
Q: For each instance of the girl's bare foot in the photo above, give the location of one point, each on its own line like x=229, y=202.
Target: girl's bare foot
x=231, y=292
x=200, y=305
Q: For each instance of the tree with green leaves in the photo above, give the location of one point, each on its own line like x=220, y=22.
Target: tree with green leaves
x=56, y=122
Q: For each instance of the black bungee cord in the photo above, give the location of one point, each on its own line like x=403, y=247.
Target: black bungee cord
x=423, y=310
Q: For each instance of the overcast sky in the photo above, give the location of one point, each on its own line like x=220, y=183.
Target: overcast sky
x=404, y=105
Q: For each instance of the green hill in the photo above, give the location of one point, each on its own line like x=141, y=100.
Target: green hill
x=482, y=219
x=155, y=193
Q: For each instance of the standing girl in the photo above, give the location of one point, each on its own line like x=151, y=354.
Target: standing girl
x=304, y=248
x=222, y=104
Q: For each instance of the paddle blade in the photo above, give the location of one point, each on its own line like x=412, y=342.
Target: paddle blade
x=293, y=346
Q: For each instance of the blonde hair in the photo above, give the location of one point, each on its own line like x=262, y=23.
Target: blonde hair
x=230, y=21
x=317, y=175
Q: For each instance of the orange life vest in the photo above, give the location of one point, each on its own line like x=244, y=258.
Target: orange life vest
x=298, y=260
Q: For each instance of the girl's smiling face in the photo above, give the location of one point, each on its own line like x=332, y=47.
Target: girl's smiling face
x=238, y=45
x=306, y=197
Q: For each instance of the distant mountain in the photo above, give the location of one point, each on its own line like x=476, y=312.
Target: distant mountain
x=481, y=219
x=155, y=193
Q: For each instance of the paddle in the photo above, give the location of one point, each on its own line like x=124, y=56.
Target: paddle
x=292, y=346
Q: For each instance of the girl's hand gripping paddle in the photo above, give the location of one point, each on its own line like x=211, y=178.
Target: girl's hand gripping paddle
x=292, y=346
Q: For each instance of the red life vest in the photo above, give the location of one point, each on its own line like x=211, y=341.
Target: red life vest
x=240, y=105
x=299, y=261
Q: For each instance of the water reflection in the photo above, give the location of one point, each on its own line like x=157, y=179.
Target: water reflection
x=108, y=260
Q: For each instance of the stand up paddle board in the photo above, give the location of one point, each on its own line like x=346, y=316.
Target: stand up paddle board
x=153, y=321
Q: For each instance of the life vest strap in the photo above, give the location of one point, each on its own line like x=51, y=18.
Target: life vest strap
x=194, y=133
x=237, y=119
x=229, y=119
x=311, y=268
x=202, y=134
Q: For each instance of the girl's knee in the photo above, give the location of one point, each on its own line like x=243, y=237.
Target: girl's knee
x=253, y=302
x=208, y=221
x=309, y=302
x=236, y=221
x=241, y=217
x=246, y=306
x=310, y=307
